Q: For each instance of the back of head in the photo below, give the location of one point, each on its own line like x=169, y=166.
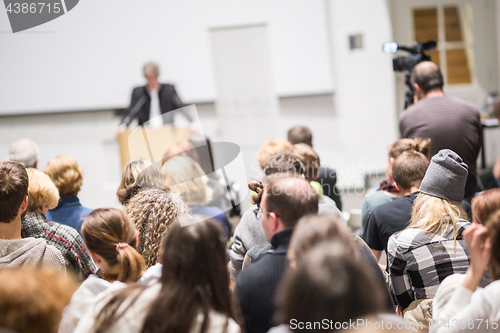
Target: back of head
x=493, y=225
x=409, y=169
x=442, y=191
x=13, y=188
x=194, y=278
x=110, y=233
x=270, y=148
x=24, y=151
x=290, y=199
x=32, y=300
x=187, y=179
x=139, y=174
x=66, y=175
x=309, y=159
x=42, y=191
x=314, y=229
x=417, y=144
x=328, y=283
x=485, y=204
x=428, y=76
x=154, y=212
x=300, y=134
x=284, y=162
x=183, y=148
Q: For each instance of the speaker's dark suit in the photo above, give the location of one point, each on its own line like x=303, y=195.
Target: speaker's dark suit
x=169, y=100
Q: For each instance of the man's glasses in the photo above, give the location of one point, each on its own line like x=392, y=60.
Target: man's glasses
x=259, y=212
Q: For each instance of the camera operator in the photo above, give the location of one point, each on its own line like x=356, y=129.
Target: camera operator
x=449, y=122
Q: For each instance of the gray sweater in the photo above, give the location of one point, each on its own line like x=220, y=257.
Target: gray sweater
x=30, y=251
x=249, y=233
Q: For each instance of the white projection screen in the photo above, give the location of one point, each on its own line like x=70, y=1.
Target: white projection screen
x=91, y=57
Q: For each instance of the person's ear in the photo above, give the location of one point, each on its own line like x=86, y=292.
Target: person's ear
x=24, y=204
x=137, y=242
x=274, y=221
x=97, y=258
x=396, y=185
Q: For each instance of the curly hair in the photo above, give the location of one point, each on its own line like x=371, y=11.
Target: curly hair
x=154, y=211
x=66, y=175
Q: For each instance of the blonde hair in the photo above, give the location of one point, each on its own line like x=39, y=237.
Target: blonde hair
x=309, y=158
x=41, y=191
x=151, y=67
x=66, y=175
x=431, y=213
x=187, y=179
x=32, y=300
x=270, y=148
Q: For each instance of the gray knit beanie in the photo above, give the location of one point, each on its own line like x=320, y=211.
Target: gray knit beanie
x=445, y=178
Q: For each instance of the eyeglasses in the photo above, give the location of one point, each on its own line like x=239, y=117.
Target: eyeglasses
x=258, y=213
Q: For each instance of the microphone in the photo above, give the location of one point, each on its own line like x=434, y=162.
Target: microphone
x=134, y=111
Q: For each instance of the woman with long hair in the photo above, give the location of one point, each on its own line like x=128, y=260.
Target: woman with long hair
x=432, y=246
x=154, y=212
x=111, y=238
x=192, y=296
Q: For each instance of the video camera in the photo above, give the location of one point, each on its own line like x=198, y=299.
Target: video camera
x=401, y=64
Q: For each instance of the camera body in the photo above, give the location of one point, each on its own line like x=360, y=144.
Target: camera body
x=406, y=64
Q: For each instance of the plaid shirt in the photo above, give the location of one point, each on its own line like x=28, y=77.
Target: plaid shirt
x=419, y=261
x=66, y=239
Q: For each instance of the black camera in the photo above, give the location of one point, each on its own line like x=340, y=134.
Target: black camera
x=402, y=64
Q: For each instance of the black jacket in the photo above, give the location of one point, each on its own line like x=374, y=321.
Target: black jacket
x=169, y=101
x=257, y=284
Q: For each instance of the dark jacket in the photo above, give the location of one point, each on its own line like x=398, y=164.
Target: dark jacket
x=257, y=284
x=69, y=211
x=169, y=101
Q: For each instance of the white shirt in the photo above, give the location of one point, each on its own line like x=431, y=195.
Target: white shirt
x=155, y=117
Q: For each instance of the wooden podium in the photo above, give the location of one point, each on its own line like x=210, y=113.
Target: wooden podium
x=149, y=143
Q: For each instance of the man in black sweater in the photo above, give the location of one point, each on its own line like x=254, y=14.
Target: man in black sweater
x=284, y=202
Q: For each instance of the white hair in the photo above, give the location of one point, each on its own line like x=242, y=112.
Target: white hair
x=24, y=151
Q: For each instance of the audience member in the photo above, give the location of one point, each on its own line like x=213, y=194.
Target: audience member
x=26, y=152
x=186, y=179
x=449, y=122
x=408, y=171
x=326, y=177
x=478, y=308
x=43, y=195
x=111, y=238
x=270, y=148
x=327, y=284
x=284, y=202
x=32, y=300
x=314, y=229
x=432, y=246
x=484, y=205
x=249, y=232
x=193, y=294
x=67, y=176
x=387, y=190
x=311, y=163
x=139, y=174
x=14, y=250
x=154, y=212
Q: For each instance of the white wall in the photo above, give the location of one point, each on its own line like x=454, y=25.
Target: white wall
x=365, y=121
x=91, y=57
